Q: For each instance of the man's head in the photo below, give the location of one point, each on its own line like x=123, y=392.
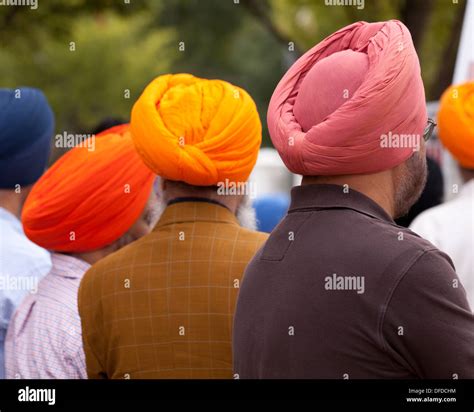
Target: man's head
x=91, y=200
x=456, y=125
x=352, y=111
x=27, y=125
x=198, y=135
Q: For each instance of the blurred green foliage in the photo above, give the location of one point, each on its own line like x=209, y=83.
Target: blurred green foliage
x=120, y=45
x=97, y=69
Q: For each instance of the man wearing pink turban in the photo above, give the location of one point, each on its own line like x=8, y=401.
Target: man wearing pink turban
x=339, y=290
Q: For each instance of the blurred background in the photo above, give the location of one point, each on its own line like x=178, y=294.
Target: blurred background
x=94, y=57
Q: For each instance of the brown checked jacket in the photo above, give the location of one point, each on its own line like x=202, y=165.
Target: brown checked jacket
x=162, y=307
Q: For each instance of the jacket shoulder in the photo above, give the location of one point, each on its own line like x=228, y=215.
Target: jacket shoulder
x=252, y=235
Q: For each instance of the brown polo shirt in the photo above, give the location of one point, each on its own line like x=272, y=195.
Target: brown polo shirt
x=340, y=291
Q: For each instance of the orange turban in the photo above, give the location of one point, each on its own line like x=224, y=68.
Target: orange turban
x=456, y=123
x=89, y=198
x=198, y=131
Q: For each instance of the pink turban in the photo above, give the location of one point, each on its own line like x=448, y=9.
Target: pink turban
x=332, y=109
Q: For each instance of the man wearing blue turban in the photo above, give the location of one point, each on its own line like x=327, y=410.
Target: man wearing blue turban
x=26, y=128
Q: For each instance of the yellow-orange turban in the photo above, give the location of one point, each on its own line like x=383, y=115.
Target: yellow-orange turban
x=456, y=123
x=198, y=131
x=90, y=197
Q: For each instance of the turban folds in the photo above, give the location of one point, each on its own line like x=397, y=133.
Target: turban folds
x=89, y=198
x=456, y=123
x=330, y=111
x=27, y=125
x=198, y=131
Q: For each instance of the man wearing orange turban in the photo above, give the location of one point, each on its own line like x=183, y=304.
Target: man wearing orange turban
x=339, y=290
x=163, y=307
x=450, y=226
x=91, y=202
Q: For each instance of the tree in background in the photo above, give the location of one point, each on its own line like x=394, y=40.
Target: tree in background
x=97, y=69
x=435, y=26
x=120, y=46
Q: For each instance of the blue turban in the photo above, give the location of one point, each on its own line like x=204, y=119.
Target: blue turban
x=26, y=128
x=270, y=210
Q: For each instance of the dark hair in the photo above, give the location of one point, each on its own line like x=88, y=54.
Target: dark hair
x=107, y=123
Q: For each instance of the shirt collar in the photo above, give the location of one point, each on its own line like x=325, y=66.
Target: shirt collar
x=68, y=266
x=191, y=211
x=195, y=199
x=325, y=196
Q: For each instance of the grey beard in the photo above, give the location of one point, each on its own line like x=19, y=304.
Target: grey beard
x=246, y=214
x=155, y=210
x=410, y=184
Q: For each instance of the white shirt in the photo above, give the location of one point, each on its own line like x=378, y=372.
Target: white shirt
x=22, y=265
x=450, y=227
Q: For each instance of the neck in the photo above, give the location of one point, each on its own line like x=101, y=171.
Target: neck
x=12, y=201
x=93, y=256
x=174, y=189
x=229, y=201
x=377, y=187
x=467, y=174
